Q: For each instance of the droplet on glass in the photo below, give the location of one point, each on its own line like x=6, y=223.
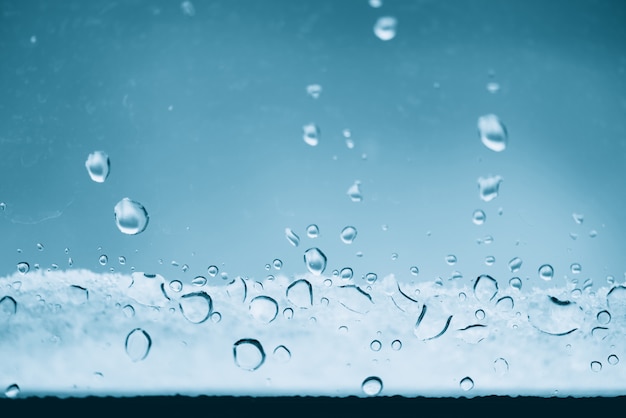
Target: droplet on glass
x=485, y=288
x=493, y=87
x=371, y=278
x=312, y=231
x=130, y=216
x=40, y=246
x=128, y=311
x=479, y=314
x=346, y=273
x=248, y=354
x=12, y=391
x=593, y=233
x=612, y=359
x=348, y=234
x=479, y=217
x=376, y=345
x=98, y=166
x=315, y=261
x=385, y=28
x=396, y=345
x=23, y=267
x=466, y=384
x=516, y=283
x=451, y=259
x=414, y=270
x=278, y=264
x=372, y=386
x=78, y=294
x=314, y=90
x=489, y=187
x=515, y=264
x=546, y=272
x=311, y=134
x=121, y=259
x=187, y=8
x=103, y=260
x=176, y=285
x=282, y=354
x=492, y=132
x=490, y=260
x=8, y=306
x=578, y=218
x=263, y=309
x=138, y=344
x=501, y=366
x=300, y=293
x=596, y=366
x=292, y=237
x=603, y=317
x=575, y=268
x=212, y=271
x=354, y=192
x=196, y=307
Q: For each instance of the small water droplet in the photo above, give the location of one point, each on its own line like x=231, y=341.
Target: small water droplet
x=612, y=359
x=212, y=271
x=98, y=166
x=12, y=391
x=479, y=217
x=466, y=384
x=488, y=239
x=278, y=264
x=485, y=288
x=348, y=234
x=187, y=8
x=138, y=343
x=354, y=192
x=268, y=267
x=196, y=307
x=23, y=267
x=396, y=345
x=199, y=281
x=103, y=260
x=248, y=354
x=315, y=261
x=515, y=264
x=292, y=237
x=516, y=283
x=596, y=366
x=492, y=132
x=451, y=259
x=40, y=246
x=376, y=3
x=490, y=260
x=414, y=270
x=385, y=28
x=479, y=314
x=578, y=217
x=311, y=134
x=8, y=306
x=501, y=366
x=489, y=187
x=3, y=206
x=575, y=268
x=312, y=231
x=314, y=90
x=462, y=296
x=121, y=259
x=300, y=293
x=288, y=313
x=176, y=285
x=346, y=273
x=546, y=272
x=128, y=311
x=372, y=386
x=282, y=354
x=78, y=294
x=603, y=317
x=593, y=233
x=130, y=216
x=216, y=317
x=263, y=308
x=493, y=87
x=371, y=277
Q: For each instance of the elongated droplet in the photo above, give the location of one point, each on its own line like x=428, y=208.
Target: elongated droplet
x=346, y=273
x=138, y=344
x=300, y=293
x=515, y=264
x=196, y=307
x=354, y=192
x=248, y=354
x=130, y=216
x=489, y=187
x=311, y=134
x=98, y=166
x=315, y=261
x=492, y=132
x=385, y=28
x=292, y=237
x=199, y=281
x=372, y=386
x=263, y=309
x=485, y=288
x=348, y=234
x=546, y=272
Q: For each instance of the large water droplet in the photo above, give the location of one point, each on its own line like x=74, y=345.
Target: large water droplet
x=492, y=132
x=354, y=192
x=485, y=288
x=311, y=134
x=479, y=217
x=489, y=187
x=248, y=354
x=263, y=308
x=23, y=267
x=130, y=216
x=348, y=234
x=466, y=383
x=314, y=90
x=372, y=386
x=292, y=237
x=385, y=28
x=8, y=306
x=315, y=261
x=515, y=264
x=300, y=293
x=98, y=166
x=196, y=307
x=138, y=344
x=546, y=272
x=312, y=231
x=12, y=391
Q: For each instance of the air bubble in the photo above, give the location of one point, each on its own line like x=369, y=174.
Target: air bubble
x=312, y=231
x=612, y=359
x=23, y=267
x=311, y=134
x=515, y=264
x=354, y=192
x=128, y=311
x=385, y=28
x=372, y=386
x=196, y=307
x=138, y=344
x=292, y=237
x=492, y=133
x=489, y=187
x=98, y=166
x=130, y=216
x=122, y=260
x=466, y=384
x=546, y=272
x=314, y=90
x=479, y=217
x=263, y=309
x=348, y=234
x=248, y=354
x=315, y=261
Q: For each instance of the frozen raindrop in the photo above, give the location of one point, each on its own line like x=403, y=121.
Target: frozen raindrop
x=489, y=187
x=396, y=345
x=282, y=354
x=292, y=237
x=314, y=90
x=376, y=345
x=501, y=366
x=264, y=309
x=467, y=384
x=492, y=132
x=372, y=386
x=278, y=264
x=479, y=217
x=348, y=234
x=103, y=260
x=23, y=267
x=199, y=281
x=354, y=192
x=485, y=288
x=98, y=166
x=516, y=283
x=176, y=285
x=546, y=272
x=12, y=391
x=575, y=268
x=8, y=306
x=300, y=293
x=196, y=307
x=578, y=217
x=346, y=273
x=312, y=231
x=130, y=216
x=603, y=317
x=612, y=359
x=138, y=344
x=315, y=261
x=212, y=271
x=414, y=270
x=311, y=134
x=596, y=366
x=451, y=259
x=248, y=354
x=515, y=264
x=385, y=28
x=188, y=8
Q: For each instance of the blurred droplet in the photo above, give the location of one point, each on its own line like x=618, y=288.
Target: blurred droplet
x=292, y=237
x=196, y=307
x=288, y=313
x=312, y=231
x=515, y=264
x=596, y=366
x=314, y=90
x=385, y=28
x=578, y=218
x=479, y=217
x=612, y=359
x=12, y=391
x=300, y=293
x=103, y=260
x=493, y=87
x=354, y=192
x=516, y=283
x=575, y=268
x=376, y=345
x=451, y=259
x=414, y=270
x=311, y=134
x=263, y=309
x=348, y=234
x=466, y=384
x=492, y=132
x=8, y=306
x=372, y=386
x=603, y=317
x=23, y=267
x=248, y=354
x=346, y=273
x=489, y=187
x=485, y=288
x=315, y=261
x=187, y=8
x=282, y=354
x=138, y=343
x=130, y=216
x=98, y=166
x=593, y=233
x=396, y=345
x=479, y=314
x=546, y=272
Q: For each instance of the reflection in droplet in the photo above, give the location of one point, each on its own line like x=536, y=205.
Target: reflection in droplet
x=314, y=90
x=396, y=345
x=292, y=237
x=492, y=132
x=348, y=234
x=98, y=166
x=485, y=288
x=300, y=293
x=311, y=134
x=315, y=261
x=138, y=344
x=467, y=384
x=130, y=216
x=312, y=231
x=248, y=354
x=23, y=267
x=282, y=354
x=489, y=187
x=8, y=306
x=515, y=264
x=354, y=192
x=385, y=28
x=372, y=386
x=212, y=271
x=546, y=272
x=346, y=273
x=12, y=391
x=263, y=308
x=596, y=366
x=479, y=217
x=516, y=283
x=196, y=307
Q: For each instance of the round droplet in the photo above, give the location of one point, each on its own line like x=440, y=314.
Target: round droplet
x=23, y=267
x=138, y=344
x=248, y=354
x=311, y=134
x=12, y=391
x=315, y=261
x=199, y=281
x=371, y=277
x=575, y=268
x=604, y=317
x=288, y=313
x=516, y=283
x=103, y=260
x=130, y=216
x=354, y=192
x=515, y=264
x=196, y=307
x=263, y=309
x=490, y=260
x=314, y=90
x=372, y=386
x=612, y=359
x=216, y=317
x=501, y=366
x=466, y=384
x=462, y=296
x=376, y=345
x=312, y=231
x=328, y=283
x=346, y=273
x=385, y=28
x=282, y=354
x=546, y=272
x=492, y=132
x=479, y=314
x=121, y=259
x=396, y=345
x=98, y=166
x=8, y=306
x=394, y=256
x=348, y=234
x=489, y=187
x=292, y=237
x=485, y=288
x=176, y=285
x=451, y=259
x=278, y=264
x=596, y=366
x=479, y=217
x=212, y=271
x=414, y=270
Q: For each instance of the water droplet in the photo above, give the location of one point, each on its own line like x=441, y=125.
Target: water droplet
x=346, y=273
x=575, y=268
x=493, y=87
x=12, y=391
x=376, y=345
x=138, y=344
x=121, y=259
x=371, y=277
x=451, y=259
x=612, y=359
x=490, y=260
x=505, y=303
x=314, y=90
x=40, y=246
x=176, y=285
x=248, y=354
x=489, y=187
x=593, y=233
x=516, y=283
x=130, y=216
x=311, y=134
x=354, y=192
x=278, y=264
x=196, y=307
x=515, y=264
x=616, y=301
x=372, y=386
x=103, y=260
x=263, y=308
x=212, y=271
x=312, y=231
x=603, y=317
x=485, y=288
x=488, y=239
x=501, y=366
x=328, y=282
x=467, y=383
x=479, y=217
x=596, y=366
x=78, y=294
x=394, y=256
x=23, y=267
x=184, y=268
x=288, y=313
x=578, y=218
x=376, y=3
x=8, y=306
x=292, y=237
x=98, y=166
x=282, y=354
x=385, y=28
x=492, y=132
x=199, y=281
x=128, y=311
x=414, y=270
x=315, y=261
x=187, y=8
x=396, y=345
x=3, y=206
x=348, y=234
x=216, y=317
x=546, y=272
x=300, y=293
x=479, y=314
